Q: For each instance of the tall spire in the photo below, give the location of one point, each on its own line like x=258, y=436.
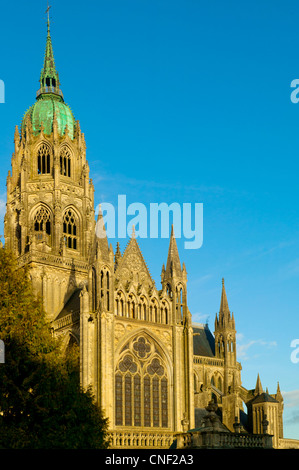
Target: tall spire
x=49, y=78
x=173, y=265
x=223, y=303
x=225, y=319
x=258, y=388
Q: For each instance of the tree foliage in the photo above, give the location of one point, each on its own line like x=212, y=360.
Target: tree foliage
x=42, y=405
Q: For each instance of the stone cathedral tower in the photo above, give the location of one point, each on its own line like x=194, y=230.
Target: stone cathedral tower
x=50, y=207
x=152, y=371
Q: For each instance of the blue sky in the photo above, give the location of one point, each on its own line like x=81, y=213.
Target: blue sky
x=186, y=101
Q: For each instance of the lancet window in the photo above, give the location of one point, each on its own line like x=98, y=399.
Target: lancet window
x=43, y=160
x=65, y=161
x=70, y=229
x=42, y=224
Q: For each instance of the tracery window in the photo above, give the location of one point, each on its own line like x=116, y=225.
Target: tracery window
x=43, y=159
x=141, y=386
x=42, y=224
x=65, y=161
x=70, y=229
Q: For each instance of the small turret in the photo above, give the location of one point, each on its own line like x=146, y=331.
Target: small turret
x=225, y=332
x=174, y=280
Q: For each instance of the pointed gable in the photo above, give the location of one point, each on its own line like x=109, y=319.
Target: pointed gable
x=132, y=266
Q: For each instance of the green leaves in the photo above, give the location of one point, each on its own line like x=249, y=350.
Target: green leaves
x=42, y=405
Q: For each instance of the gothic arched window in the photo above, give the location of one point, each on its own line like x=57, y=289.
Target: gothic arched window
x=70, y=229
x=120, y=304
x=94, y=290
x=179, y=302
x=105, y=288
x=164, y=313
x=132, y=306
x=108, y=290
x=154, y=311
x=65, y=161
x=143, y=309
x=141, y=386
x=42, y=224
x=43, y=160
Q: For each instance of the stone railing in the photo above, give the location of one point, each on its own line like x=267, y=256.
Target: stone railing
x=211, y=361
x=49, y=258
x=140, y=440
x=49, y=89
x=223, y=440
x=66, y=320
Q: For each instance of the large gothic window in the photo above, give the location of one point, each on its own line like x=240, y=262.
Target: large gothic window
x=42, y=224
x=43, y=159
x=65, y=161
x=141, y=386
x=70, y=229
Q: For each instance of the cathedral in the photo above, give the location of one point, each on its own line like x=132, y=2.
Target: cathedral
x=151, y=369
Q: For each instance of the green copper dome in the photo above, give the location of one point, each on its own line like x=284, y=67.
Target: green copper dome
x=49, y=103
x=43, y=111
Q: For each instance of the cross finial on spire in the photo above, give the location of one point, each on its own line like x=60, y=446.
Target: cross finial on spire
x=49, y=78
x=47, y=11
x=48, y=16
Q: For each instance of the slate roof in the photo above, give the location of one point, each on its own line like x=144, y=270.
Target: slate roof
x=203, y=341
x=264, y=397
x=71, y=306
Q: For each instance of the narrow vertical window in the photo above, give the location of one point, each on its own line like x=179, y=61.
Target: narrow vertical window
x=70, y=230
x=65, y=162
x=164, y=403
x=94, y=290
x=43, y=160
x=156, y=402
x=108, y=290
x=118, y=400
x=128, y=400
x=147, y=401
x=137, y=400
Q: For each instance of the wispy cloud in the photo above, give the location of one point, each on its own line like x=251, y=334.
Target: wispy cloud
x=201, y=279
x=199, y=317
x=244, y=347
x=291, y=398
